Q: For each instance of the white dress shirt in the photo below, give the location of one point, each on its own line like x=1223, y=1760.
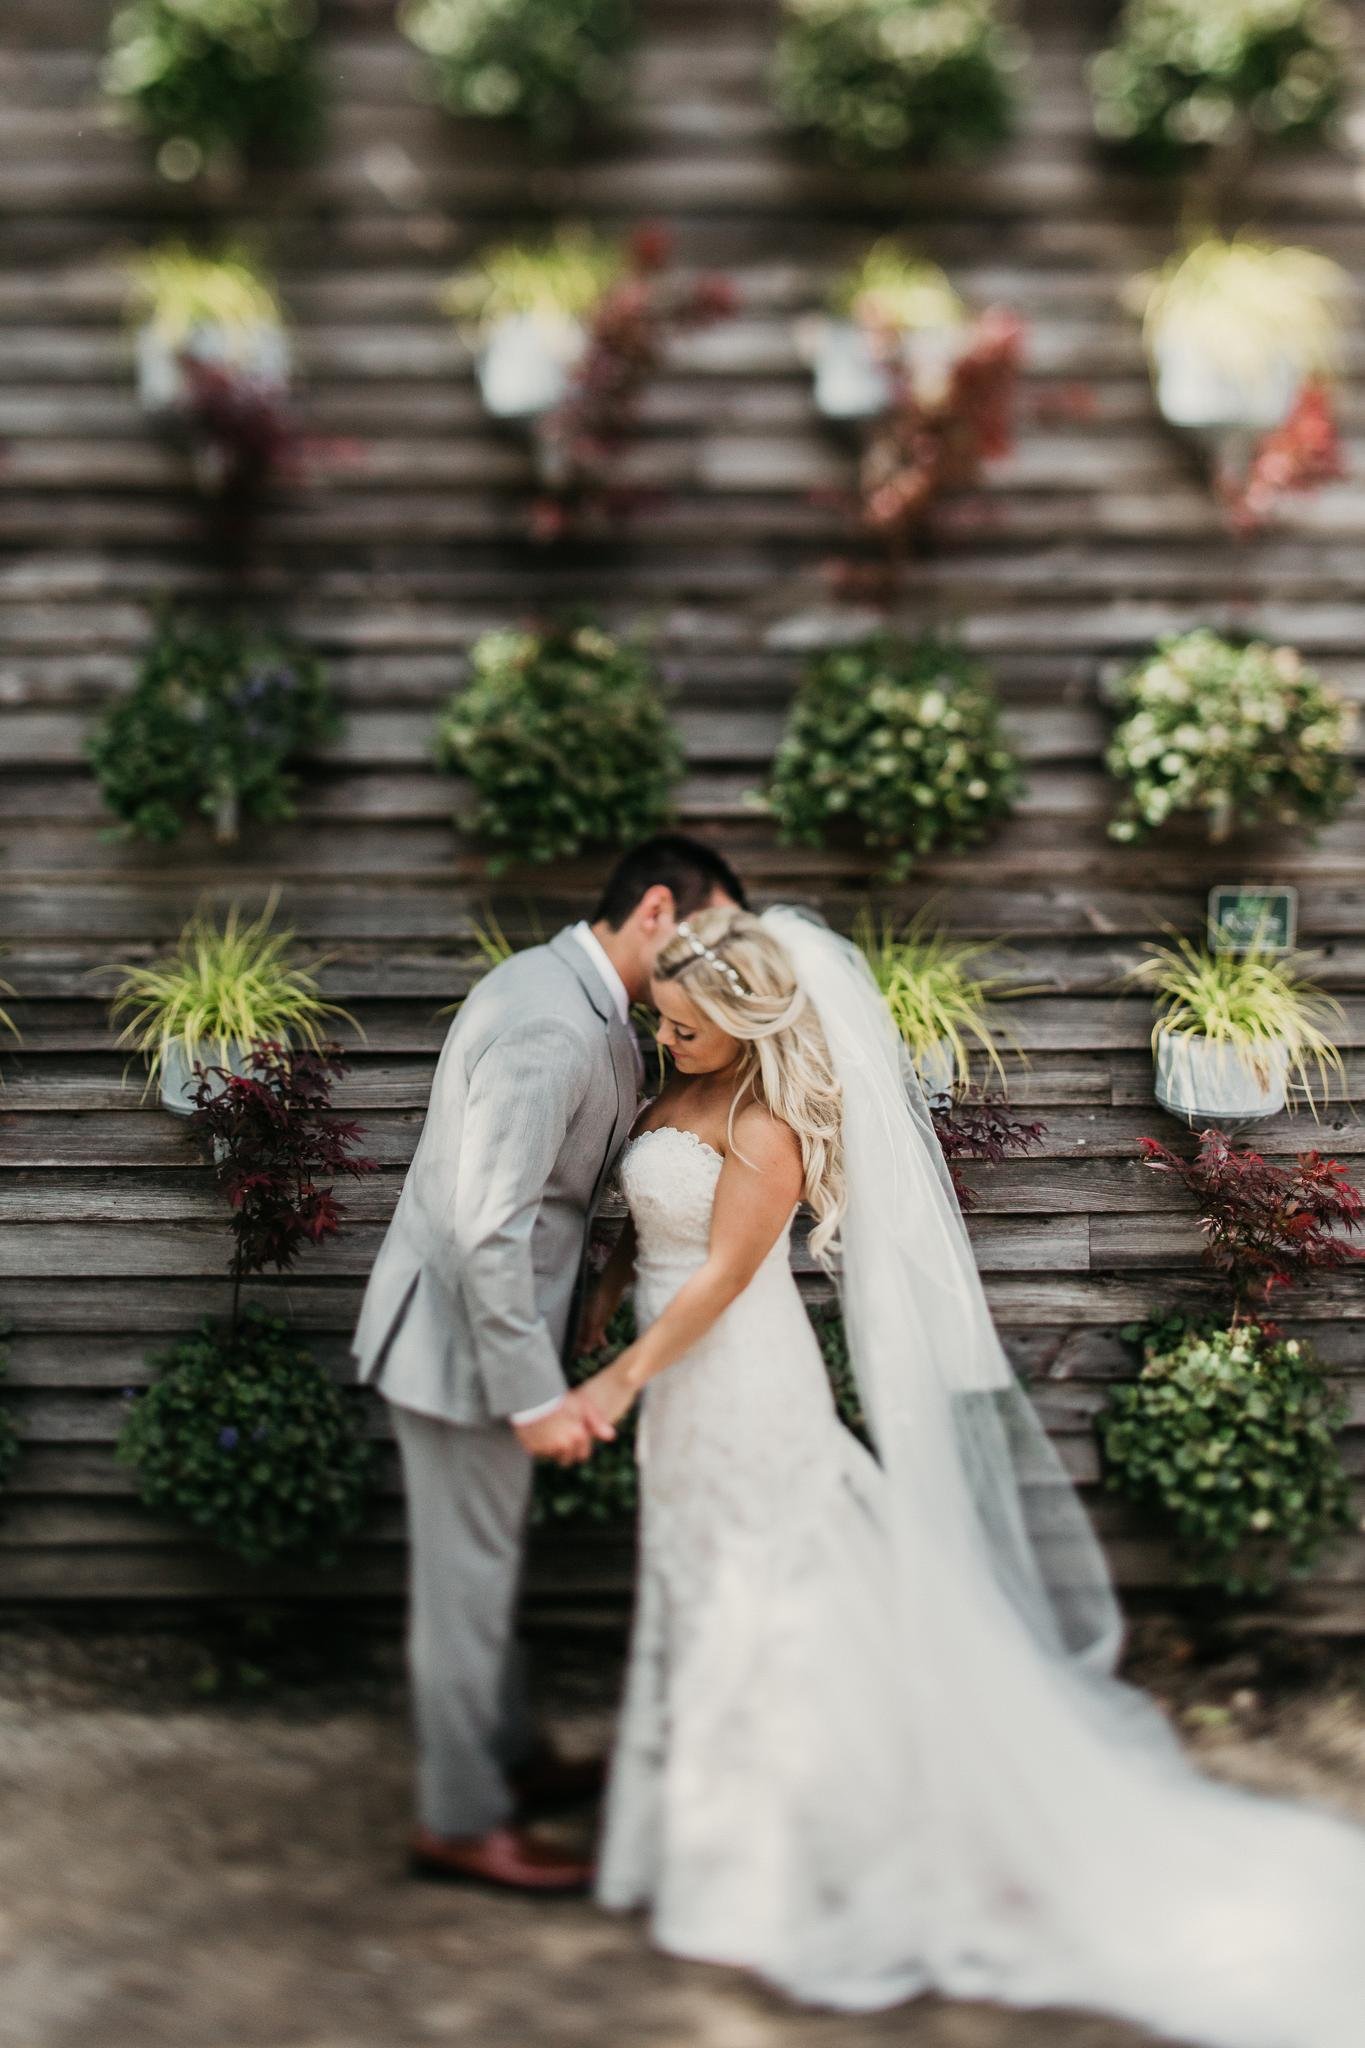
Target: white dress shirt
x=616, y=989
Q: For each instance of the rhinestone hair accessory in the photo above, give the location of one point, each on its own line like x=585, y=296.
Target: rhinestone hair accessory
x=708, y=953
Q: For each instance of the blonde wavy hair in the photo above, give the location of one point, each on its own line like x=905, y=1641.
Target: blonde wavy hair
x=744, y=982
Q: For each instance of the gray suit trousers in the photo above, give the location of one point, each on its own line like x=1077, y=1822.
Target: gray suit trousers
x=468, y=1491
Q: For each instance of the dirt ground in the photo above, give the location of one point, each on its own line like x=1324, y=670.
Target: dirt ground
x=203, y=1848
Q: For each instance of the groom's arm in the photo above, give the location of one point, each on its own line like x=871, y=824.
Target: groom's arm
x=523, y=1093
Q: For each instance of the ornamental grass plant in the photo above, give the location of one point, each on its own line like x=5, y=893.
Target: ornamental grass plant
x=565, y=740
x=566, y=276
x=223, y=988
x=1254, y=1003
x=896, y=745
x=887, y=81
x=176, y=291
x=1240, y=734
x=934, y=990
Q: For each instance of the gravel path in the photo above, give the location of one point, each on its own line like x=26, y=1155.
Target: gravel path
x=187, y=1865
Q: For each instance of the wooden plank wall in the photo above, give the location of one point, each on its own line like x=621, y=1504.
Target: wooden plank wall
x=1092, y=538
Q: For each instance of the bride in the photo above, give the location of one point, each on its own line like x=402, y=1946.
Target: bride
x=872, y=1743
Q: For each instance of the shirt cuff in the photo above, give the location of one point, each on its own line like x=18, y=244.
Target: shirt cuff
x=536, y=1414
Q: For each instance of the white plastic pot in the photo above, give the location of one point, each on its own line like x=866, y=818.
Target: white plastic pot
x=851, y=378
x=937, y=1069
x=177, y=1077
x=1199, y=395
x=525, y=362
x=1219, y=1084
x=259, y=355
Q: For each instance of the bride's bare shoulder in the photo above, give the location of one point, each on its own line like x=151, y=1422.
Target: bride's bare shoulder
x=765, y=1144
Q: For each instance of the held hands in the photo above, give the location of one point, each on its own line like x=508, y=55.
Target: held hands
x=567, y=1435
x=610, y=1392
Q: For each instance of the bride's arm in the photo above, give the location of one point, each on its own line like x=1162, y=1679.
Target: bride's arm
x=759, y=1186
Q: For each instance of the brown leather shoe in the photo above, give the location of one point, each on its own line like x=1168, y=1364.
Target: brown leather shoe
x=507, y=1858
x=547, y=1781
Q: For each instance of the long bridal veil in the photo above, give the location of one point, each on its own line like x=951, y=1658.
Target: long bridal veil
x=1078, y=1858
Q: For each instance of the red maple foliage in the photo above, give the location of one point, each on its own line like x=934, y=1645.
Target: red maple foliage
x=982, y=1128
x=274, y=1138
x=1266, y=1227
x=582, y=440
x=922, y=448
x=1301, y=454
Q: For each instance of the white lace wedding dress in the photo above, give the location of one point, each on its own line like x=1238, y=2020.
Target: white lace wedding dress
x=800, y=1791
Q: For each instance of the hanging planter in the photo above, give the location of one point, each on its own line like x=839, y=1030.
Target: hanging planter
x=565, y=336
x=895, y=320
x=1243, y=340
x=224, y=991
x=930, y=385
x=943, y=1007
x=1241, y=734
x=1184, y=78
x=881, y=82
x=1233, y=1031
x=213, y=364
x=215, y=88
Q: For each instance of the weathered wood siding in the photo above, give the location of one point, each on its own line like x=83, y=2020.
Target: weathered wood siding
x=1092, y=538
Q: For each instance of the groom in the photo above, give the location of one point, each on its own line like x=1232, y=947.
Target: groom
x=468, y=1319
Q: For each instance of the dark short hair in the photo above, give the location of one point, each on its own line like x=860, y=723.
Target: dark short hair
x=672, y=860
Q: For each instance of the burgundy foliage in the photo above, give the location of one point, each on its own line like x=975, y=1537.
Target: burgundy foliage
x=278, y=1150
x=920, y=449
x=982, y=1128
x=1266, y=1227
x=244, y=437
x=582, y=440
x=1301, y=454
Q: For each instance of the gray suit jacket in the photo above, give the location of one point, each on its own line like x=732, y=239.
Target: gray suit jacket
x=466, y=1315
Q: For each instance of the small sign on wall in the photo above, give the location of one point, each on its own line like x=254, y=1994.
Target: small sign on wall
x=1242, y=915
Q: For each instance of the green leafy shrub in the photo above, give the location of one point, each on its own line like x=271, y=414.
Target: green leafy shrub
x=547, y=65
x=1184, y=75
x=1230, y=1435
x=215, y=80
x=887, y=80
x=566, y=742
x=896, y=744
x=1245, y=734
x=214, y=720
x=245, y=1437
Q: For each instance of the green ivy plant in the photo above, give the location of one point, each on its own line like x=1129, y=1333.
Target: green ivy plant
x=1231, y=1435
x=886, y=81
x=1183, y=76
x=216, y=82
x=566, y=742
x=546, y=65
x=215, y=720
x=896, y=744
x=1241, y=734
x=245, y=1438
